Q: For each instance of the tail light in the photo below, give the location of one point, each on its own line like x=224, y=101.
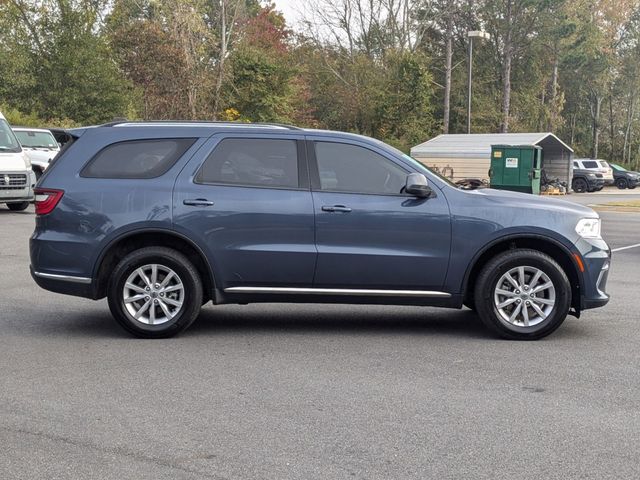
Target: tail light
x=47, y=199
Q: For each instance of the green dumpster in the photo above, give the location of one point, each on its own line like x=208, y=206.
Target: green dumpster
x=516, y=168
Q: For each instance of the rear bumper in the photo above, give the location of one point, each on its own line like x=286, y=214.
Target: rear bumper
x=65, y=284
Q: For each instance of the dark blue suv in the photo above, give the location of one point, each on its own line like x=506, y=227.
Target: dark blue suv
x=163, y=217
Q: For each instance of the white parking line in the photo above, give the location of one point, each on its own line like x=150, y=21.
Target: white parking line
x=626, y=248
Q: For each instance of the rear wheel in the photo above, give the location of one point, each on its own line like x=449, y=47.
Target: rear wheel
x=621, y=183
x=18, y=207
x=155, y=292
x=579, y=185
x=523, y=295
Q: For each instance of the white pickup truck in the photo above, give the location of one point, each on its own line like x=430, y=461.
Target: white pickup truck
x=16, y=177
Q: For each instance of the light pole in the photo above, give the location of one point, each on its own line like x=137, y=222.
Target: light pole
x=471, y=35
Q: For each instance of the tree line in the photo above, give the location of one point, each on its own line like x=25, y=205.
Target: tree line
x=391, y=69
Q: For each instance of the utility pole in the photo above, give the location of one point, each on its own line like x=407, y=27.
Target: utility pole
x=471, y=35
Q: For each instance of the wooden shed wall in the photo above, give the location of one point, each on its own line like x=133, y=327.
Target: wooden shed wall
x=462, y=167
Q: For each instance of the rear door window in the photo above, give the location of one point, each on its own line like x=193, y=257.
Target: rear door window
x=590, y=164
x=254, y=162
x=137, y=159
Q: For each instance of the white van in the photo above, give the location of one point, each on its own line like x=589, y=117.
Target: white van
x=16, y=177
x=40, y=146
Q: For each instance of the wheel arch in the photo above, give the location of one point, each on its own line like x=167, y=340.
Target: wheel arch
x=555, y=249
x=121, y=246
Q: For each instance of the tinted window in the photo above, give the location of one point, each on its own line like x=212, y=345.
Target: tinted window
x=575, y=165
x=349, y=168
x=137, y=158
x=252, y=162
x=590, y=164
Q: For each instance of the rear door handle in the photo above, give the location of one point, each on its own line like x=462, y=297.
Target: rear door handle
x=198, y=202
x=336, y=208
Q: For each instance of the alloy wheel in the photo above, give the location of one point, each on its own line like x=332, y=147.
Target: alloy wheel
x=153, y=294
x=524, y=296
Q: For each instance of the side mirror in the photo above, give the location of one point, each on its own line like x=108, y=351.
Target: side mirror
x=417, y=185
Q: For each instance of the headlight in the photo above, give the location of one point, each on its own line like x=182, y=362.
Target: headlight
x=588, y=228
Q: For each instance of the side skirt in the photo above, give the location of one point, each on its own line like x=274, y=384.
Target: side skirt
x=244, y=295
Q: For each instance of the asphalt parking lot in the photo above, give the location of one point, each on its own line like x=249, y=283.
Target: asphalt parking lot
x=315, y=392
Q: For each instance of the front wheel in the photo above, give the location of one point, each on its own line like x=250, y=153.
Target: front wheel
x=18, y=207
x=523, y=295
x=155, y=292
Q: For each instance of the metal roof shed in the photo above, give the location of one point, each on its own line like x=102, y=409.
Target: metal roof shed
x=459, y=156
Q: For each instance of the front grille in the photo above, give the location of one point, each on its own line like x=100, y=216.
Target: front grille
x=13, y=181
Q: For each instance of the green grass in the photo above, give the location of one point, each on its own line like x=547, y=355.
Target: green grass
x=630, y=204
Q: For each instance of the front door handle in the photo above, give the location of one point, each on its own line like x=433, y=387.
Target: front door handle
x=336, y=208
x=198, y=202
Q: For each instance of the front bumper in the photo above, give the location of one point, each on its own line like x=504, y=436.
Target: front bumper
x=21, y=196
x=16, y=187
x=595, y=183
x=596, y=258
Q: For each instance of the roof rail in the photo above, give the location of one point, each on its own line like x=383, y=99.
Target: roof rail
x=198, y=122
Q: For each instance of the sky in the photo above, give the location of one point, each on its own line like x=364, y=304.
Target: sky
x=290, y=10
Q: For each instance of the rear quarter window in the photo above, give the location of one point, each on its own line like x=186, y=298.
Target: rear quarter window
x=137, y=159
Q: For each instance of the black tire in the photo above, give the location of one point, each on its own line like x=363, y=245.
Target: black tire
x=167, y=258
x=621, y=183
x=579, y=185
x=18, y=207
x=487, y=282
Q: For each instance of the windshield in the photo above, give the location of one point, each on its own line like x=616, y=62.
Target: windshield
x=8, y=141
x=35, y=139
x=618, y=167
